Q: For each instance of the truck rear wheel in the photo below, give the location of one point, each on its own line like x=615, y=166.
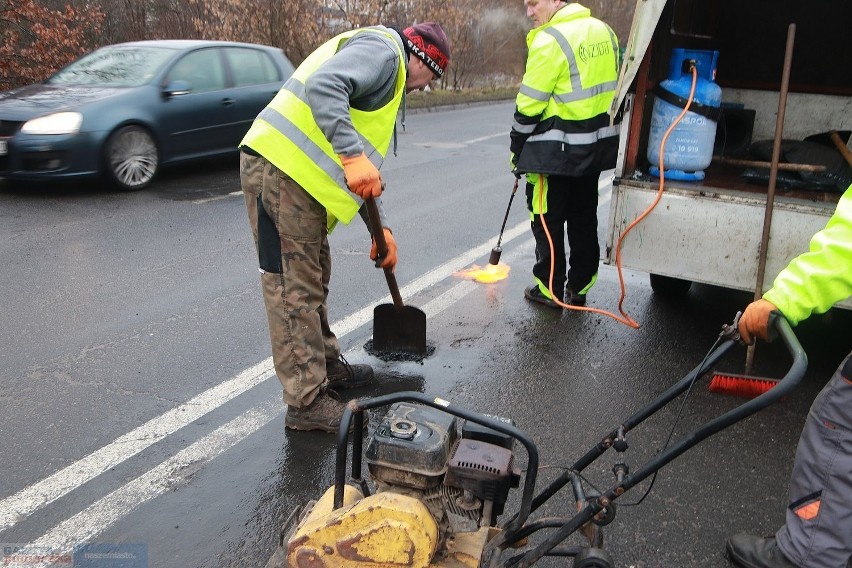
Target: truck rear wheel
x=669, y=287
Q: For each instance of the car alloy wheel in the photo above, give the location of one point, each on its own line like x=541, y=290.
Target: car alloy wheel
x=132, y=158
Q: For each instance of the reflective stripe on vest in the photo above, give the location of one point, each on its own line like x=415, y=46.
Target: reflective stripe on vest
x=575, y=138
x=577, y=93
x=286, y=134
x=569, y=99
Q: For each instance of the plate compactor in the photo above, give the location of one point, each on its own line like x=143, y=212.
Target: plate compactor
x=440, y=477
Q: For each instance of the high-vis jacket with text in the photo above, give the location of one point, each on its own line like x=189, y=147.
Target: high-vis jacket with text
x=562, y=126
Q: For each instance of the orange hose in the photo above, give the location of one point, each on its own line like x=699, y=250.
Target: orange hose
x=625, y=317
x=626, y=320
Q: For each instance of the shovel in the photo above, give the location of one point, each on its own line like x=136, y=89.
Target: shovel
x=396, y=327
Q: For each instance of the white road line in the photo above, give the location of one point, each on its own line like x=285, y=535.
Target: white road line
x=174, y=471
x=25, y=502
x=463, y=288
x=489, y=137
x=431, y=278
x=171, y=473
x=17, y=507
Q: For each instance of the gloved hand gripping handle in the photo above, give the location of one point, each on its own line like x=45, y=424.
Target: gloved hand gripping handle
x=382, y=250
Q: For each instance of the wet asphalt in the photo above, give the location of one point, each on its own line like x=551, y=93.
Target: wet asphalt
x=567, y=379
x=122, y=307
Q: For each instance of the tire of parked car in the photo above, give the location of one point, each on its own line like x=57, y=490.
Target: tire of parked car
x=131, y=158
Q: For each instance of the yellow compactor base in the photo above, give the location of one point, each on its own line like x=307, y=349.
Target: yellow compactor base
x=385, y=530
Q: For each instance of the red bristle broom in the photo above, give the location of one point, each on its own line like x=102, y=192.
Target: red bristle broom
x=746, y=386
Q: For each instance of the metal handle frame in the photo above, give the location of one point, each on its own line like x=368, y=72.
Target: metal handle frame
x=791, y=380
x=354, y=414
x=514, y=529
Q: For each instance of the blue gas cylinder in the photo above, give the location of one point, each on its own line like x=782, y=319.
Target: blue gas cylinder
x=689, y=148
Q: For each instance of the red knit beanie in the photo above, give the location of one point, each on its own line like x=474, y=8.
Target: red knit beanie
x=429, y=42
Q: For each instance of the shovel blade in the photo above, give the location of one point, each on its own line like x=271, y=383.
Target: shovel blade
x=399, y=331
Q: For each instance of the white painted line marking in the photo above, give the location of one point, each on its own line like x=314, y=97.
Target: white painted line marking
x=489, y=137
x=17, y=507
x=25, y=502
x=431, y=278
x=174, y=471
x=463, y=288
x=105, y=512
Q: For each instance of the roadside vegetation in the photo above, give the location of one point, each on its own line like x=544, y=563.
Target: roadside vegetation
x=37, y=37
x=445, y=97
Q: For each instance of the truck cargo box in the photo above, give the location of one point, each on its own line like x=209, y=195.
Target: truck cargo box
x=710, y=231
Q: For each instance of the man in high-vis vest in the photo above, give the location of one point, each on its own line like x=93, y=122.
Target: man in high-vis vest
x=817, y=532
x=309, y=161
x=562, y=139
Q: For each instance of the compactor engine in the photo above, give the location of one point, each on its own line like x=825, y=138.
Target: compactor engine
x=440, y=483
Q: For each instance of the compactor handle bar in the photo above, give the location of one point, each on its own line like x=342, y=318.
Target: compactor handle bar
x=791, y=380
x=354, y=412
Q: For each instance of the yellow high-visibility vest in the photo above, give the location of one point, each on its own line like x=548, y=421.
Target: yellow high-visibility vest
x=286, y=133
x=568, y=86
x=576, y=42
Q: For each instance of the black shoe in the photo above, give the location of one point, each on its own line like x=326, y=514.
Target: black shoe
x=575, y=299
x=341, y=375
x=533, y=294
x=756, y=552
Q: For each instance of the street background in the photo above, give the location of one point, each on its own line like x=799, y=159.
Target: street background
x=124, y=312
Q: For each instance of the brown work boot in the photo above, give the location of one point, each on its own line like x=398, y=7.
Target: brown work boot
x=341, y=375
x=324, y=413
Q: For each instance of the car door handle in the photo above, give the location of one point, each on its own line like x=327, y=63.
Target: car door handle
x=228, y=102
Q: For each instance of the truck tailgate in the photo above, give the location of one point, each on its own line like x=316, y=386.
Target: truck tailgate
x=707, y=236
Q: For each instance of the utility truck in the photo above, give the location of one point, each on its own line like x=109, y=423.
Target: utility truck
x=785, y=72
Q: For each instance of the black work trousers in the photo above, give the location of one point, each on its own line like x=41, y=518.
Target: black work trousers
x=572, y=210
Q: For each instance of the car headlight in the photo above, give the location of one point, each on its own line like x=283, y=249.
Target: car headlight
x=58, y=123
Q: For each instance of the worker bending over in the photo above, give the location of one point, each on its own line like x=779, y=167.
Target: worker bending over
x=309, y=160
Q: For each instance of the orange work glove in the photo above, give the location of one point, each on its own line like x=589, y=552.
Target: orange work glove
x=389, y=261
x=755, y=321
x=362, y=177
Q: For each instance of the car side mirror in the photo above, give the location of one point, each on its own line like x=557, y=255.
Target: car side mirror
x=177, y=88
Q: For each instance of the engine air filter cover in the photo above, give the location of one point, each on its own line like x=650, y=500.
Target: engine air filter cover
x=411, y=446
x=484, y=469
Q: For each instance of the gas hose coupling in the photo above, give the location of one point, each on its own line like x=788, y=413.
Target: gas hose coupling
x=731, y=330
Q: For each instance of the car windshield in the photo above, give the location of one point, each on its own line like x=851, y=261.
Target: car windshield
x=116, y=66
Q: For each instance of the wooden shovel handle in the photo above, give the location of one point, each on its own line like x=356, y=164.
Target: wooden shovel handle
x=841, y=147
x=382, y=248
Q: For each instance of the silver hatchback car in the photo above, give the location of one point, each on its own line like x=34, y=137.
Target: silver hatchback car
x=125, y=110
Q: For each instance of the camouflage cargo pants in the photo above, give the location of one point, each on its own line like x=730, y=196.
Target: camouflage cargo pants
x=290, y=234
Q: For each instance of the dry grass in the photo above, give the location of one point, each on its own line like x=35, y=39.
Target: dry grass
x=429, y=99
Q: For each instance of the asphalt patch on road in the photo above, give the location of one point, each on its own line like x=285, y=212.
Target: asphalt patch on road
x=398, y=355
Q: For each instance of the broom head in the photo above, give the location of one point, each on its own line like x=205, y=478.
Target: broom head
x=740, y=385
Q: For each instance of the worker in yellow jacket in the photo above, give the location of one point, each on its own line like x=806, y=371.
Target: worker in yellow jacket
x=308, y=162
x=817, y=532
x=562, y=138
